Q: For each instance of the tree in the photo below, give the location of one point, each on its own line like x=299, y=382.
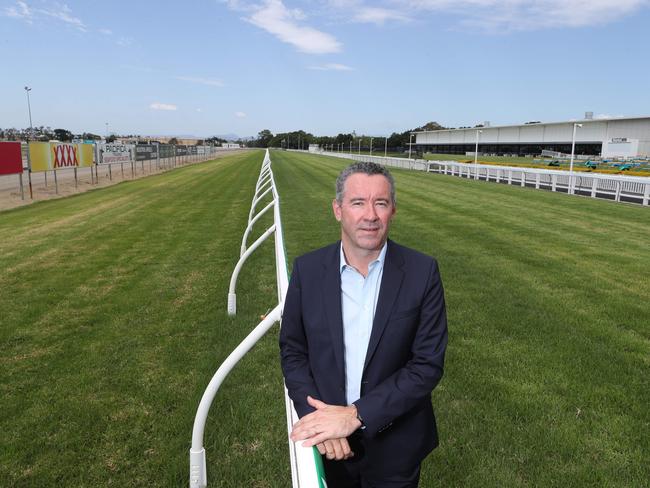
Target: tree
x=173, y=140
x=264, y=137
x=63, y=135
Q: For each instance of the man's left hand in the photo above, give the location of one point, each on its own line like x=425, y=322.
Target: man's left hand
x=327, y=422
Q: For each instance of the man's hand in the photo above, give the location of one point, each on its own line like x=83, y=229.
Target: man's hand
x=337, y=449
x=326, y=423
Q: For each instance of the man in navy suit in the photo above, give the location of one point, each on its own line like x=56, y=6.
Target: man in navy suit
x=362, y=342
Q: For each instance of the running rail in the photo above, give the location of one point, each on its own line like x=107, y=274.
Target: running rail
x=306, y=465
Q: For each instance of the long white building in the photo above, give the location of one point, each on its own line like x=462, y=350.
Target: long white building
x=623, y=137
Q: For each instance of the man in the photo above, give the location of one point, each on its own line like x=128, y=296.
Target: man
x=363, y=341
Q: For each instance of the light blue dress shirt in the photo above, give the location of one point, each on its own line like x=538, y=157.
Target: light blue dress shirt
x=358, y=302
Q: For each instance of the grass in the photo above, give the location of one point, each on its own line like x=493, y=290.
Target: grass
x=113, y=321
x=548, y=367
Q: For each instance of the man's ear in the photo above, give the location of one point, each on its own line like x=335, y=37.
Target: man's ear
x=337, y=209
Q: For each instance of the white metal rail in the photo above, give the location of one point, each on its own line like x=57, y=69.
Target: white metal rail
x=619, y=188
x=306, y=468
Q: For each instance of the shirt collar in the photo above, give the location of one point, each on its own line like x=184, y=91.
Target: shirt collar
x=380, y=259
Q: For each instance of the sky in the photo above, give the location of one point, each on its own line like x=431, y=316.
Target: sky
x=208, y=67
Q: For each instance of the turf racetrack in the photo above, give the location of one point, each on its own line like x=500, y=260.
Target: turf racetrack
x=113, y=320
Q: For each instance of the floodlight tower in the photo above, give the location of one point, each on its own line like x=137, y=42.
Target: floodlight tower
x=410, y=144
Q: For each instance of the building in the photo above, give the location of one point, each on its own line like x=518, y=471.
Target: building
x=623, y=137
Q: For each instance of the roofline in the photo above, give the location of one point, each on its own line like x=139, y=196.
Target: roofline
x=576, y=121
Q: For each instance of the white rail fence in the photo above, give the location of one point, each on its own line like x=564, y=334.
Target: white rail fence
x=306, y=467
x=619, y=188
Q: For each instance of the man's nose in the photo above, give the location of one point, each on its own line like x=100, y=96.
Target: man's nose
x=371, y=213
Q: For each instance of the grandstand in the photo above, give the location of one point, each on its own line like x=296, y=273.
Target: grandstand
x=620, y=138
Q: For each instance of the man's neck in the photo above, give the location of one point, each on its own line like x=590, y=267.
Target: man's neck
x=361, y=258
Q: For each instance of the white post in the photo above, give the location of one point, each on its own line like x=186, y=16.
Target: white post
x=386, y=147
x=476, y=155
x=573, y=149
x=410, y=144
x=371, y=145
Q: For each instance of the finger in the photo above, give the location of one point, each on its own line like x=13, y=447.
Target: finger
x=338, y=449
x=345, y=446
x=316, y=403
x=321, y=448
x=316, y=439
x=329, y=450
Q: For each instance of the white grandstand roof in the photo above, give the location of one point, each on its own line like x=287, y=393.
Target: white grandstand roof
x=579, y=121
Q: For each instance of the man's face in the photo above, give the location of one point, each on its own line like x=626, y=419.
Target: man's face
x=365, y=212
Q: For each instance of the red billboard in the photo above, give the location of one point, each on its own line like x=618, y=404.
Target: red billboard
x=11, y=159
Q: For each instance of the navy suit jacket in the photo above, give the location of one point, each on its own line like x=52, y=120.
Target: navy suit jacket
x=405, y=356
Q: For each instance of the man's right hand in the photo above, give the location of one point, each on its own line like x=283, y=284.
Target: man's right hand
x=335, y=449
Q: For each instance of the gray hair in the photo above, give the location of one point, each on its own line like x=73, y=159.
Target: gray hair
x=369, y=169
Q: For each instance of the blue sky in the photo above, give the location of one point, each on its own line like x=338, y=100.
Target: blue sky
x=217, y=67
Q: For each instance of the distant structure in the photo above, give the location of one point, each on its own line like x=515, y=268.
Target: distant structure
x=314, y=148
x=230, y=145
x=622, y=137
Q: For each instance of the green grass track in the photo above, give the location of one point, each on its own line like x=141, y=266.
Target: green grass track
x=113, y=319
x=547, y=379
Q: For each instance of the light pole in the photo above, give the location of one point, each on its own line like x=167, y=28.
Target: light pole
x=386, y=147
x=371, y=145
x=573, y=150
x=31, y=134
x=106, y=131
x=350, y=147
x=29, y=109
x=410, y=144
x=478, y=132
x=359, y=146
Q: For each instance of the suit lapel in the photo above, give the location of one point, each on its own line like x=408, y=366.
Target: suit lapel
x=331, y=287
x=391, y=282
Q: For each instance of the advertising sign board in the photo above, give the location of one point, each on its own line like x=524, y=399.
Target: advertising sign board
x=115, y=153
x=146, y=152
x=181, y=151
x=166, y=151
x=47, y=156
x=11, y=158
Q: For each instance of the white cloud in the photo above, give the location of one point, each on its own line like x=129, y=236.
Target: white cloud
x=53, y=10
x=273, y=17
x=201, y=81
x=20, y=11
x=517, y=15
x=332, y=67
x=63, y=13
x=106, y=32
x=379, y=16
x=199, y=110
x=163, y=106
x=240, y=115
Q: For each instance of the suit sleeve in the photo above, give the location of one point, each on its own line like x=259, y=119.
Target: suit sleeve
x=411, y=384
x=294, y=349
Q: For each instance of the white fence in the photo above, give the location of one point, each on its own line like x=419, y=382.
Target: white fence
x=306, y=469
x=619, y=188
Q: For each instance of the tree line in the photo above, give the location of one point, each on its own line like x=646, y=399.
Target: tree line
x=45, y=133
x=299, y=139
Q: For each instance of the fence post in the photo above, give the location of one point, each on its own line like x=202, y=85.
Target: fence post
x=594, y=184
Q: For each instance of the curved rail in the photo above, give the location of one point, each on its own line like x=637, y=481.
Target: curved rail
x=306, y=464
